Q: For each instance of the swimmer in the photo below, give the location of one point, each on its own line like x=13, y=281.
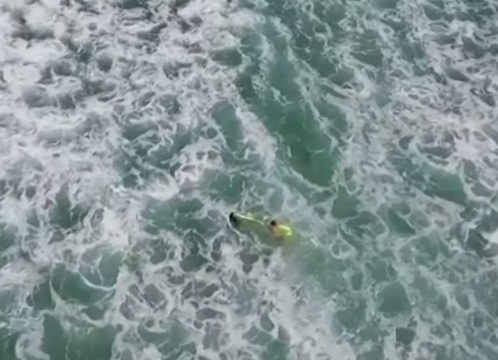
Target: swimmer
x=279, y=231
x=253, y=223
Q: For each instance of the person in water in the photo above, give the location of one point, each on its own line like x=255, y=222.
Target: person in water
x=279, y=232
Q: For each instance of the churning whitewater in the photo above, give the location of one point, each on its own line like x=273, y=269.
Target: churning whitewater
x=129, y=129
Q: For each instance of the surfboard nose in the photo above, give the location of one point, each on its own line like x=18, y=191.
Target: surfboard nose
x=233, y=219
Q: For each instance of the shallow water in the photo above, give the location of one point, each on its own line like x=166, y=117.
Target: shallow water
x=129, y=129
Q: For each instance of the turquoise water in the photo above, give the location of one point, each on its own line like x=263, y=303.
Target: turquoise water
x=129, y=129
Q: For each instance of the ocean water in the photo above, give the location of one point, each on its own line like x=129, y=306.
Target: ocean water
x=130, y=128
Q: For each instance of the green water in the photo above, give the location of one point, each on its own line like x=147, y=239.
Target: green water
x=367, y=125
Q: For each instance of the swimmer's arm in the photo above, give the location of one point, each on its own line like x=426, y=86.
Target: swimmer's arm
x=281, y=240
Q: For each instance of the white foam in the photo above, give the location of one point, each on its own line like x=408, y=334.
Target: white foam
x=50, y=150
